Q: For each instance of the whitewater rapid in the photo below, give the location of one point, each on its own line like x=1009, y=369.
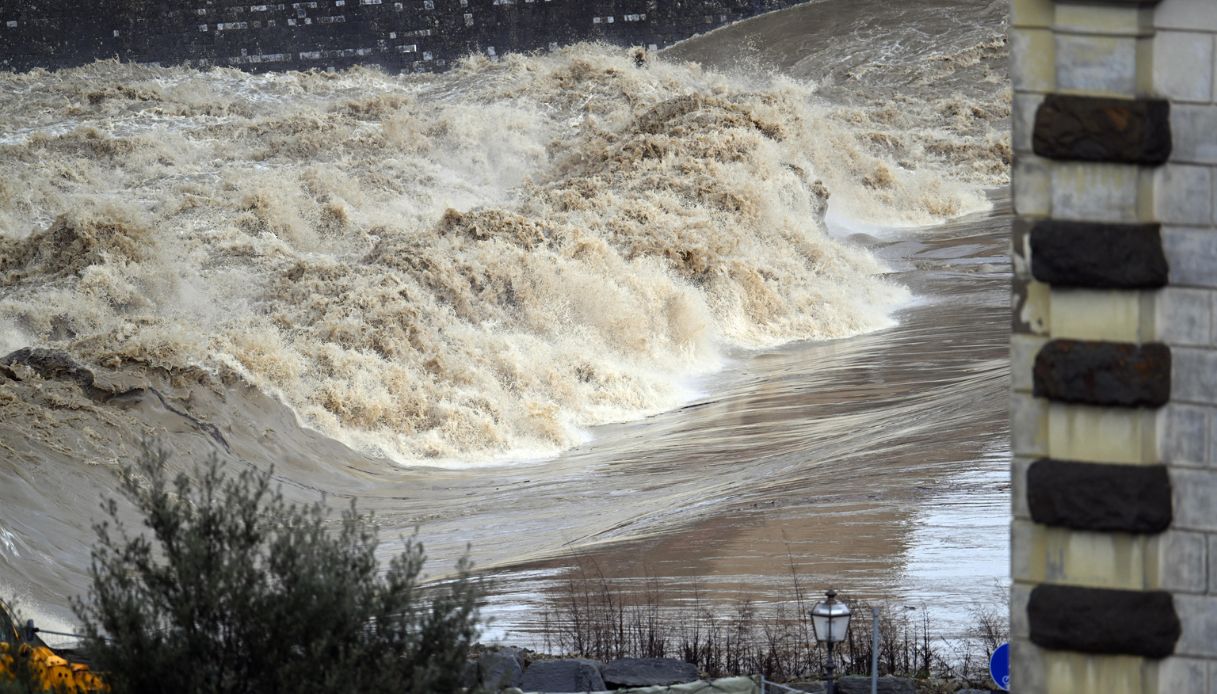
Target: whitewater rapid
x=430, y=292
x=460, y=268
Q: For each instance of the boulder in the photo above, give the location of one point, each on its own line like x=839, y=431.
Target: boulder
x=501, y=669
x=469, y=675
x=647, y=672
x=563, y=676
x=809, y=687
x=860, y=684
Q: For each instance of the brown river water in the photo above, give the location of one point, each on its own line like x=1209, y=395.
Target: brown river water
x=876, y=464
x=742, y=308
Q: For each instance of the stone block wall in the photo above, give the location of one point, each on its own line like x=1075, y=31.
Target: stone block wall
x=1114, y=347
x=398, y=35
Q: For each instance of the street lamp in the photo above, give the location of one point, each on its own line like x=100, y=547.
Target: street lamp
x=830, y=619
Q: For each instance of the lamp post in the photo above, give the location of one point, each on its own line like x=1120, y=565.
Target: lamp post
x=830, y=619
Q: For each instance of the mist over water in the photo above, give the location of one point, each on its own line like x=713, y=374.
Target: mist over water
x=393, y=287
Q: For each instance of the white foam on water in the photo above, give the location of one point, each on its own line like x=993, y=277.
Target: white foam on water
x=456, y=270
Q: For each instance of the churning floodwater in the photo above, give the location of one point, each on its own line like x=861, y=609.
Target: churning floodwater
x=741, y=306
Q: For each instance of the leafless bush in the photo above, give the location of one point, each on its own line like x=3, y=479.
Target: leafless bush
x=596, y=616
x=989, y=629
x=599, y=618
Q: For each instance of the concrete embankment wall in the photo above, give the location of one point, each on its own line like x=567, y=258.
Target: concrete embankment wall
x=406, y=35
x=1114, y=351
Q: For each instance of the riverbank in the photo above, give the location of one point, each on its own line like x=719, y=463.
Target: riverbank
x=625, y=627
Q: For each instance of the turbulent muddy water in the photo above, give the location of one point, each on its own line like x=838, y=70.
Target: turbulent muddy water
x=455, y=297
x=877, y=463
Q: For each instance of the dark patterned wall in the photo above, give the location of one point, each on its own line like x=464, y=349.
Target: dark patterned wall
x=398, y=35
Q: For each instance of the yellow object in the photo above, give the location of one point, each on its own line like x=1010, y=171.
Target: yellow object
x=51, y=670
x=55, y=673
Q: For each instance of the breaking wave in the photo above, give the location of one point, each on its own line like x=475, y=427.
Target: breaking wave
x=464, y=266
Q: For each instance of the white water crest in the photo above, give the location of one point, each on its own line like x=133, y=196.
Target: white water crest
x=463, y=267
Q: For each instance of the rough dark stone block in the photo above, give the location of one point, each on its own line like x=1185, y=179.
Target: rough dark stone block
x=860, y=684
x=647, y=672
x=563, y=676
x=1111, y=622
x=857, y=684
x=501, y=669
x=1100, y=497
x=1100, y=256
x=54, y=365
x=1087, y=128
x=1111, y=374
x=469, y=674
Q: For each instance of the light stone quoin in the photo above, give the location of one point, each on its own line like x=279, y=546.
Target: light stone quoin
x=1096, y=64
x=1089, y=172
x=1175, y=48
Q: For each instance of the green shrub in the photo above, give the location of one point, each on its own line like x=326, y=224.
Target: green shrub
x=230, y=588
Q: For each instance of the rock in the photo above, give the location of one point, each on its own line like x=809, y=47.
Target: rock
x=860, y=684
x=1098, y=255
x=501, y=669
x=973, y=691
x=647, y=672
x=1087, y=128
x=563, y=676
x=1110, y=374
x=469, y=675
x=1103, y=620
x=809, y=687
x=50, y=364
x=1099, y=496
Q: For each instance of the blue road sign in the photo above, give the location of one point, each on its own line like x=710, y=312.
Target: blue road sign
x=999, y=667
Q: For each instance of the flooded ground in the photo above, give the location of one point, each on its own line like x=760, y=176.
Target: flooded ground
x=364, y=281
x=877, y=465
